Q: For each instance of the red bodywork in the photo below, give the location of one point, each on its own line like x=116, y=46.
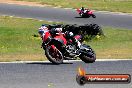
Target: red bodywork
x=78, y=10
x=58, y=36
x=89, y=12
x=46, y=36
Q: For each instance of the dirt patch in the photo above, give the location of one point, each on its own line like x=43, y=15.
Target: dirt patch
x=23, y=3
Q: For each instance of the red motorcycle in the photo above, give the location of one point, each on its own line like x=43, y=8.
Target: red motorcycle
x=86, y=13
x=58, y=47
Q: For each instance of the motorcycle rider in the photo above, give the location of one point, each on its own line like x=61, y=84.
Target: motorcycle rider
x=42, y=30
x=70, y=35
x=58, y=30
x=67, y=34
x=83, y=10
x=46, y=28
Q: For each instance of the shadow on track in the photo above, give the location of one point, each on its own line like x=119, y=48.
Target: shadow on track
x=47, y=63
x=81, y=17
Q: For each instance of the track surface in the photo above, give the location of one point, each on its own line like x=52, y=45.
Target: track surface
x=46, y=75
x=66, y=15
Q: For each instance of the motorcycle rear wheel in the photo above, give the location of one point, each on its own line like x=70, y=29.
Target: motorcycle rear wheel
x=54, y=56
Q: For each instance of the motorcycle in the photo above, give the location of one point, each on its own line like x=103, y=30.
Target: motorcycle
x=59, y=47
x=86, y=13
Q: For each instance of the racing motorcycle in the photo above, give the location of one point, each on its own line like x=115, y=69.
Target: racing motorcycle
x=86, y=13
x=59, y=47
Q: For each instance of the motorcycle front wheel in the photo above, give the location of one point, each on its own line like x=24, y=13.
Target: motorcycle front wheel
x=89, y=56
x=88, y=59
x=54, y=55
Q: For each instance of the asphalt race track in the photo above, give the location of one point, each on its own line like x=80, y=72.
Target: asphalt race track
x=66, y=15
x=46, y=75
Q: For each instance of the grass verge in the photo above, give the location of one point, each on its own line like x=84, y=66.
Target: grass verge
x=106, y=5
x=17, y=42
x=116, y=44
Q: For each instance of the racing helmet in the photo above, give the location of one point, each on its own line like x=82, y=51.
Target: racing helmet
x=44, y=27
x=42, y=30
x=82, y=8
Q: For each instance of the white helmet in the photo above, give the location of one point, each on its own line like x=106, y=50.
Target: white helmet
x=42, y=30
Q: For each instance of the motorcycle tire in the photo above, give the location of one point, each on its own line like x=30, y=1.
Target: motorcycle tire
x=90, y=57
x=93, y=16
x=81, y=15
x=52, y=59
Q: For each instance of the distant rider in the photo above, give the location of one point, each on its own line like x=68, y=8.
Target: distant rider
x=83, y=10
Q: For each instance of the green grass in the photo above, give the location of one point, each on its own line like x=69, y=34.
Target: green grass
x=17, y=42
x=116, y=44
x=107, y=5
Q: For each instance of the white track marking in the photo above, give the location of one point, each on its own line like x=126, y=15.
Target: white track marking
x=104, y=12
x=65, y=61
x=114, y=13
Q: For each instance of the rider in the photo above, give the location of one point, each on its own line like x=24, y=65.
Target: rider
x=70, y=35
x=67, y=34
x=42, y=30
x=83, y=10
